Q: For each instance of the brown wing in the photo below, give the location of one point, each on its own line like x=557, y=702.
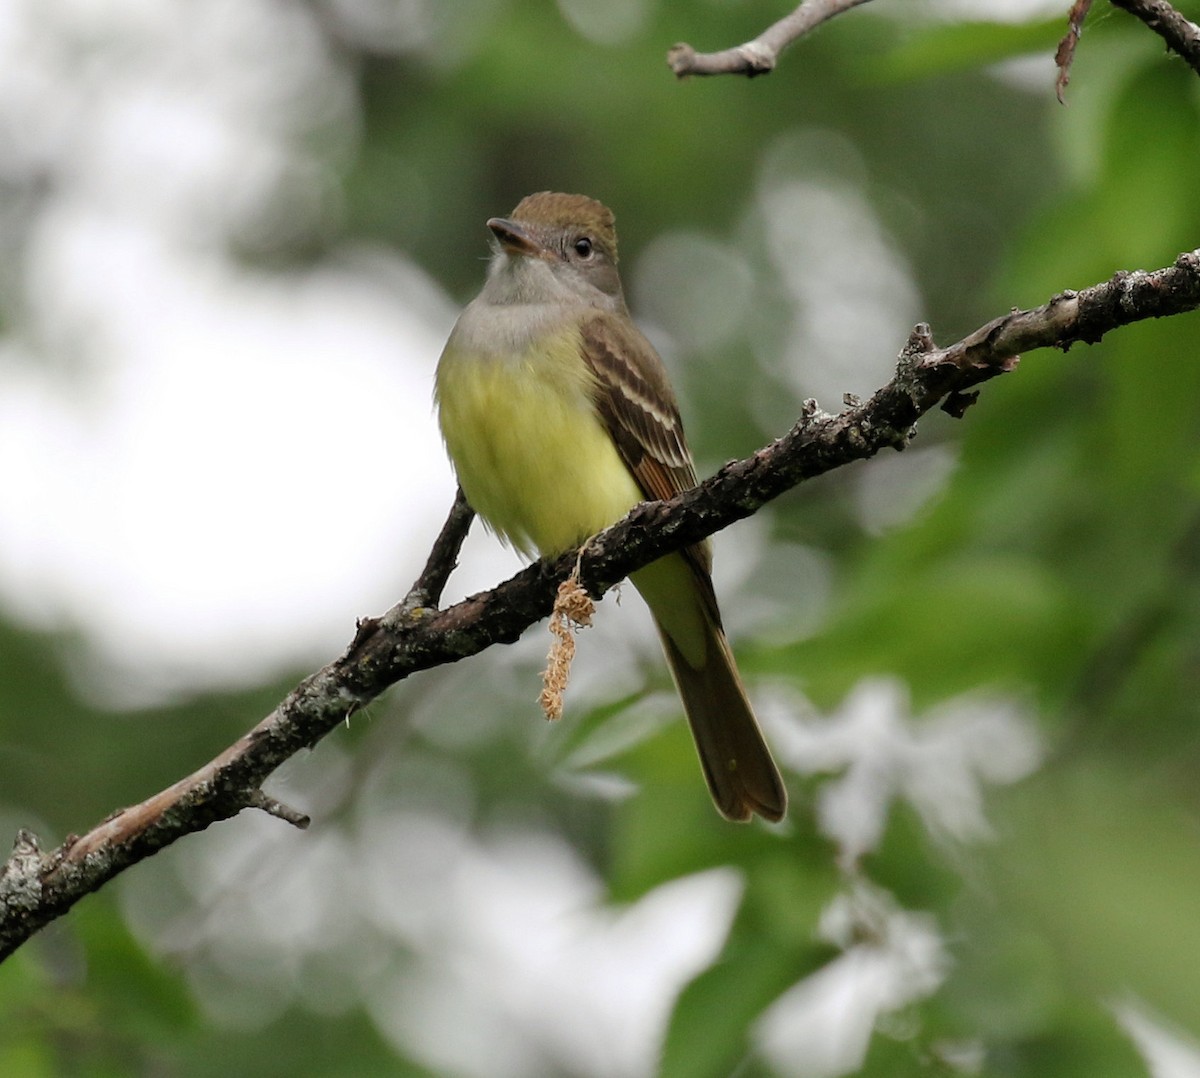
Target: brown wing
x=636, y=402
x=638, y=406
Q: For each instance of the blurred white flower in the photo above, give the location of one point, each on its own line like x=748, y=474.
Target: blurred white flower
x=939, y=762
x=852, y=295
x=891, y=958
x=488, y=956
x=1168, y=1052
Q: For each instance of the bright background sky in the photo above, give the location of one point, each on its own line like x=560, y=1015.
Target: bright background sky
x=207, y=470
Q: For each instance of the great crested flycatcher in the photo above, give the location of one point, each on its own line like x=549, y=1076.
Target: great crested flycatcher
x=559, y=418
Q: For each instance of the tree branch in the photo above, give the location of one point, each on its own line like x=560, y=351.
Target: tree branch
x=37, y=887
x=1179, y=33
x=758, y=57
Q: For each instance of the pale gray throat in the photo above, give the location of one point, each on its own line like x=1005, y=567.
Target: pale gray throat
x=523, y=300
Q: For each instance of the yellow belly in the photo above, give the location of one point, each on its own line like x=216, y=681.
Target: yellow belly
x=537, y=465
x=531, y=454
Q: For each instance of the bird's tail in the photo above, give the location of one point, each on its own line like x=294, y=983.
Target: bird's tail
x=742, y=776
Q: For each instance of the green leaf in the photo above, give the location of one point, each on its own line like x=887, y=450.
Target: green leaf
x=944, y=48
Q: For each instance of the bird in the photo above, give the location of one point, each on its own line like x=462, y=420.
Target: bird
x=559, y=417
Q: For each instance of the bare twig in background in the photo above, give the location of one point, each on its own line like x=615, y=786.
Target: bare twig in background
x=1065, y=53
x=36, y=887
x=758, y=57
x=1180, y=34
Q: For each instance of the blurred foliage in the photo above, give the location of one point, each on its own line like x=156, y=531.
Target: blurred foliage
x=1060, y=563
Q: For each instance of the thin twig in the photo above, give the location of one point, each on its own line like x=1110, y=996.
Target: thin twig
x=37, y=887
x=443, y=558
x=426, y=591
x=278, y=809
x=758, y=57
x=1064, y=56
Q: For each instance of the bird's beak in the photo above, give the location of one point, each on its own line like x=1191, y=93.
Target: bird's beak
x=515, y=238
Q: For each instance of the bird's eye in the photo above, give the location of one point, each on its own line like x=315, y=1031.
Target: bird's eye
x=583, y=247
